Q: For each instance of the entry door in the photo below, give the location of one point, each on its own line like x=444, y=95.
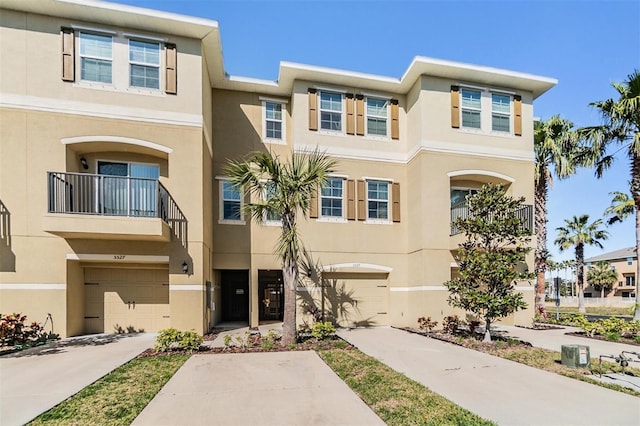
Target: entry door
x=271, y=293
x=235, y=295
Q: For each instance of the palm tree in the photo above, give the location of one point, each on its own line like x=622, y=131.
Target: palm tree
x=621, y=127
x=602, y=277
x=282, y=189
x=555, y=149
x=622, y=206
x=577, y=233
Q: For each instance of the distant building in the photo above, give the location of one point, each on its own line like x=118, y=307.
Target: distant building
x=624, y=261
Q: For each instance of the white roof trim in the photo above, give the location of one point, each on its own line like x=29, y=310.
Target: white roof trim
x=117, y=139
x=481, y=172
x=356, y=265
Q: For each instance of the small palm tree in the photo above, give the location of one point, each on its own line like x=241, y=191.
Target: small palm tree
x=621, y=127
x=556, y=149
x=622, y=206
x=602, y=277
x=283, y=189
x=577, y=233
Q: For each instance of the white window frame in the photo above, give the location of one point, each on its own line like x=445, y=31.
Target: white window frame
x=388, y=182
x=110, y=59
x=341, y=218
x=283, y=130
x=158, y=66
x=221, y=219
x=467, y=108
x=509, y=115
x=341, y=112
x=629, y=277
x=385, y=117
x=462, y=188
x=265, y=220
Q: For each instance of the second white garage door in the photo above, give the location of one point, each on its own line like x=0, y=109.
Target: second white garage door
x=356, y=299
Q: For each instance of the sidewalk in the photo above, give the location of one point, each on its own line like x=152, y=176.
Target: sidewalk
x=34, y=380
x=494, y=388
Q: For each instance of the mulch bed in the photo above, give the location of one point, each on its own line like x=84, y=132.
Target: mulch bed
x=541, y=326
x=467, y=339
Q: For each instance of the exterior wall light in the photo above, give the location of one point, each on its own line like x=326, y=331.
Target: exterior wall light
x=185, y=267
x=83, y=162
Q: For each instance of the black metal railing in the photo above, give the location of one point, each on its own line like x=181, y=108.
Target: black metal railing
x=104, y=195
x=461, y=211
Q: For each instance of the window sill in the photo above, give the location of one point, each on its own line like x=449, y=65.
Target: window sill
x=142, y=91
x=378, y=222
x=378, y=138
x=274, y=141
x=474, y=131
x=332, y=133
x=231, y=222
x=330, y=219
x=272, y=223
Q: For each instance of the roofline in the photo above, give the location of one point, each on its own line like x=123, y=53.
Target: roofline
x=607, y=256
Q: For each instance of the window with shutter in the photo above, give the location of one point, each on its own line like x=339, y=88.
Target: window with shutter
x=313, y=109
x=171, y=69
x=68, y=55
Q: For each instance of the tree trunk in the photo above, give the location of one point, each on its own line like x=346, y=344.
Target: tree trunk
x=580, y=275
x=635, y=193
x=487, y=332
x=290, y=278
x=541, y=254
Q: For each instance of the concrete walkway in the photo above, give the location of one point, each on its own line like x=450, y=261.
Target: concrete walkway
x=272, y=388
x=34, y=380
x=494, y=388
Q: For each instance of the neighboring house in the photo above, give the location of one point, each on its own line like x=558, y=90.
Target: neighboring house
x=624, y=261
x=116, y=124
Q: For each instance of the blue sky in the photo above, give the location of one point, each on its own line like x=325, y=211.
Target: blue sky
x=586, y=45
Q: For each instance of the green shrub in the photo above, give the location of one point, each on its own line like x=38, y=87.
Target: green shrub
x=613, y=325
x=322, y=330
x=173, y=339
x=612, y=335
x=227, y=340
x=267, y=345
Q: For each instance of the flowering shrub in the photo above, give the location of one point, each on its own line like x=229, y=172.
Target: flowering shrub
x=14, y=331
x=426, y=324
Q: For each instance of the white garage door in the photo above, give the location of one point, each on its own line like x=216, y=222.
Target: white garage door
x=357, y=301
x=124, y=300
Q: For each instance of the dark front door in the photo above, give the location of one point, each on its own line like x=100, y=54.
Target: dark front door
x=235, y=295
x=271, y=294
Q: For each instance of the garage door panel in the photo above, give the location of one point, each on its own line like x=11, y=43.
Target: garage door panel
x=358, y=302
x=126, y=300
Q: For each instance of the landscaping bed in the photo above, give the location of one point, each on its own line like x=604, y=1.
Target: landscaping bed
x=625, y=340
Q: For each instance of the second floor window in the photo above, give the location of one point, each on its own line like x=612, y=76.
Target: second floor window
x=471, y=107
x=331, y=196
x=500, y=112
x=377, y=116
x=231, y=202
x=629, y=280
x=144, y=64
x=271, y=217
x=96, y=57
x=377, y=200
x=273, y=120
x=331, y=111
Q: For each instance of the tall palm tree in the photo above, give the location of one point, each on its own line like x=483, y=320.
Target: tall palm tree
x=555, y=147
x=290, y=187
x=622, y=206
x=577, y=233
x=602, y=277
x=621, y=127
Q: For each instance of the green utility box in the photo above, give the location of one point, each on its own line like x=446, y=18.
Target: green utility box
x=575, y=356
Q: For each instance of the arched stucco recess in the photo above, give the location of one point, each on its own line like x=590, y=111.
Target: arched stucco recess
x=476, y=175
x=101, y=143
x=356, y=266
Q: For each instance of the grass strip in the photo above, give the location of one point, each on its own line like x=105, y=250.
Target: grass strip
x=394, y=397
x=593, y=310
x=118, y=397
x=548, y=360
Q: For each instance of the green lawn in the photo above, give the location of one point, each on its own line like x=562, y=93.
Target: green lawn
x=394, y=397
x=118, y=397
x=596, y=310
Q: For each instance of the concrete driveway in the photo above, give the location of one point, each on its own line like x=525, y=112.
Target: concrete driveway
x=34, y=380
x=273, y=388
x=494, y=388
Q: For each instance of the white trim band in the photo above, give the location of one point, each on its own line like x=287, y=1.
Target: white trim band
x=356, y=265
x=32, y=286
x=117, y=258
x=186, y=287
x=420, y=288
x=117, y=139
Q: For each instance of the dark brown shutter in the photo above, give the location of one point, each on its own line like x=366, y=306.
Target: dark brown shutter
x=362, y=208
x=351, y=199
x=313, y=204
x=351, y=124
x=395, y=196
x=313, y=109
x=68, y=56
x=359, y=115
x=171, y=70
x=455, y=107
x=395, y=125
x=517, y=115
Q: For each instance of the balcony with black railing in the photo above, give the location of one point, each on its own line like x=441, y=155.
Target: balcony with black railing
x=461, y=211
x=101, y=206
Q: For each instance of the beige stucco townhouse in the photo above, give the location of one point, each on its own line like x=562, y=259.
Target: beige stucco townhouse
x=115, y=126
